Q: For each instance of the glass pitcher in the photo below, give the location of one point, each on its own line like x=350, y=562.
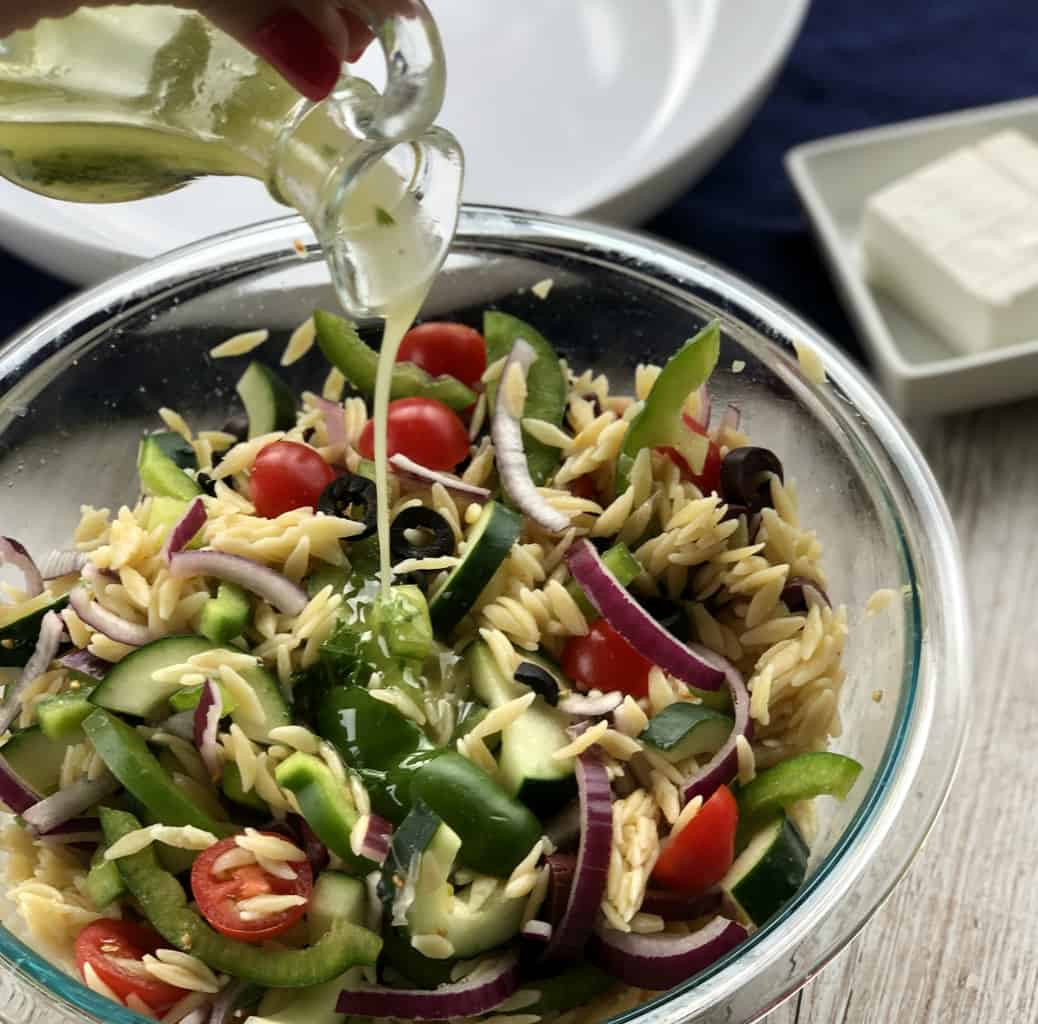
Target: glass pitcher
x=118, y=103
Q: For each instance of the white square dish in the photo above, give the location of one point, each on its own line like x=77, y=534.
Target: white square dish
x=920, y=372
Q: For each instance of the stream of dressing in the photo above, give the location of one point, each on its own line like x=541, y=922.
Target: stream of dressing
x=397, y=322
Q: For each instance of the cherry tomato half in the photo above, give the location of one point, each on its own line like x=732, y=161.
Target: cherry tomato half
x=709, y=480
x=288, y=475
x=424, y=430
x=700, y=855
x=218, y=895
x=115, y=950
x=604, y=660
x=445, y=349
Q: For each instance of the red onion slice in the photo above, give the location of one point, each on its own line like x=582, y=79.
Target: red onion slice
x=672, y=905
x=561, y=869
x=274, y=588
x=800, y=594
x=52, y=628
x=730, y=419
x=86, y=664
x=538, y=931
x=73, y=831
x=589, y=877
x=702, y=416
x=616, y=605
x=564, y=829
x=507, y=434
x=62, y=562
x=13, y=553
x=662, y=961
x=580, y=705
x=184, y=530
x=316, y=852
x=207, y=715
x=113, y=626
x=16, y=794
x=724, y=765
x=488, y=986
x=371, y=838
x=237, y=994
x=68, y=803
x=334, y=422
x=408, y=469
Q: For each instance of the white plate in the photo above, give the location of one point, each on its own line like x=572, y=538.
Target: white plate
x=600, y=107
x=918, y=371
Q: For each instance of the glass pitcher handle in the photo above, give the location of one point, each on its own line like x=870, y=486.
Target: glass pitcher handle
x=416, y=69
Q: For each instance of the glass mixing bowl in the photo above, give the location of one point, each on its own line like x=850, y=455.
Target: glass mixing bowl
x=80, y=386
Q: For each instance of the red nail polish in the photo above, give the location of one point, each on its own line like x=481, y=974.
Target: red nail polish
x=295, y=47
x=360, y=35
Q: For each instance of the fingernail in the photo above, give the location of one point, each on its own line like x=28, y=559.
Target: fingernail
x=295, y=47
x=360, y=35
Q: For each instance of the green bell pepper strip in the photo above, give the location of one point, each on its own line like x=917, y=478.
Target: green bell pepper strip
x=128, y=758
x=802, y=777
x=165, y=905
x=344, y=349
x=496, y=830
x=326, y=804
x=659, y=424
x=546, y=386
x=369, y=733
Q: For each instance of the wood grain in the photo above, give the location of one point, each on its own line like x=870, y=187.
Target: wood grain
x=957, y=943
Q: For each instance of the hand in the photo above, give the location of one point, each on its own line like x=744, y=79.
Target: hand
x=305, y=40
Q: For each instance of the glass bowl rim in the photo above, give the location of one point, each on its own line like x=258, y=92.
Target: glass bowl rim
x=265, y=246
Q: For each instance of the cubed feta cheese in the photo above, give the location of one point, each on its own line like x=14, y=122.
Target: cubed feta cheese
x=956, y=243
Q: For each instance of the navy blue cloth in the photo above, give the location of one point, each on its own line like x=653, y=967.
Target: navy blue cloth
x=856, y=64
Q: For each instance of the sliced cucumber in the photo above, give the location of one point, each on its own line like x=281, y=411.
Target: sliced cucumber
x=160, y=475
x=529, y=770
x=36, y=758
x=130, y=688
x=685, y=730
x=269, y=402
x=335, y=896
x=546, y=386
x=496, y=530
x=434, y=910
x=176, y=449
x=167, y=512
x=768, y=873
x=20, y=624
x=61, y=716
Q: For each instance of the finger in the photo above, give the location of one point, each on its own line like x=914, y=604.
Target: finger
x=286, y=38
x=360, y=35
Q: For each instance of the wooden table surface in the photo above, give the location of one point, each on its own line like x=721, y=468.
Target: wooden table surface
x=957, y=942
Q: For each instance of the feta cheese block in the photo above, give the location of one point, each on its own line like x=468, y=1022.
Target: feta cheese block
x=956, y=243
